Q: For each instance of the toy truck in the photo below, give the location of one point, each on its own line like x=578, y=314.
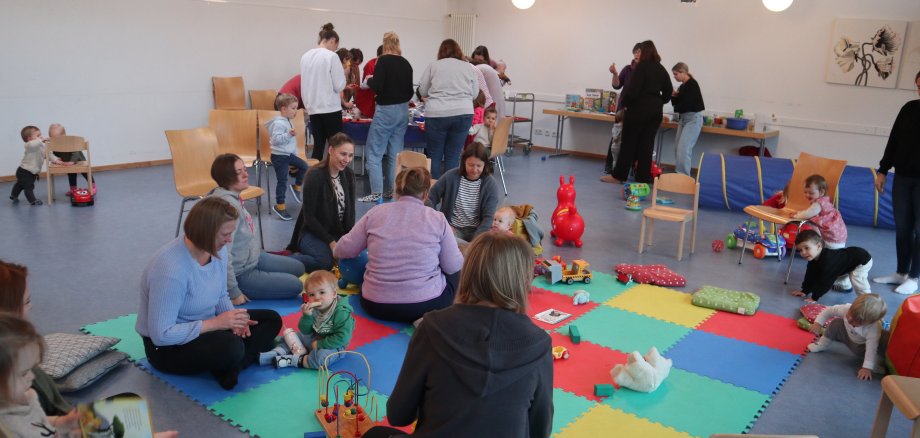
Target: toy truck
x=556, y=270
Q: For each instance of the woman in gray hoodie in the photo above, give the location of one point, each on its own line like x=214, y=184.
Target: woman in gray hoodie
x=251, y=272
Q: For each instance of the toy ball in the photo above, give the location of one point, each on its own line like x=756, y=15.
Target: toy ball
x=352, y=270
x=718, y=245
x=580, y=297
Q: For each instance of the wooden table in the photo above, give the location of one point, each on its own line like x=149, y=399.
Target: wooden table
x=563, y=114
x=759, y=136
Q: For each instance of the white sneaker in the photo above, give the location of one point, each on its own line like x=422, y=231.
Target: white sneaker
x=820, y=345
x=890, y=279
x=843, y=285
x=908, y=287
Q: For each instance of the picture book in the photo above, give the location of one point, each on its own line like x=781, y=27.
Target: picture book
x=119, y=416
x=551, y=316
x=609, y=101
x=573, y=102
x=596, y=96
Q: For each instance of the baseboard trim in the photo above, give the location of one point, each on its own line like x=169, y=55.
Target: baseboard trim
x=122, y=166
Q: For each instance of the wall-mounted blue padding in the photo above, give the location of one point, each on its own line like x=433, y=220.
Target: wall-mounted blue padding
x=741, y=185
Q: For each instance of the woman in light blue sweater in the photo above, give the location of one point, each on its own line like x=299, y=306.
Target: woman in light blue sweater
x=251, y=272
x=185, y=318
x=448, y=86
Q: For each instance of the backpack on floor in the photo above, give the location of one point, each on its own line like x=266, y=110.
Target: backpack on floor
x=903, y=354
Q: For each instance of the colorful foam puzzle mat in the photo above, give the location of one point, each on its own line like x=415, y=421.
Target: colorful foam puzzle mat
x=727, y=367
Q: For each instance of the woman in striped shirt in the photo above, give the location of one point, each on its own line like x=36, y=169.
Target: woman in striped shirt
x=468, y=195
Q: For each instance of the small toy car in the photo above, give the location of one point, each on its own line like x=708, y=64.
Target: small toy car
x=764, y=245
x=560, y=352
x=81, y=197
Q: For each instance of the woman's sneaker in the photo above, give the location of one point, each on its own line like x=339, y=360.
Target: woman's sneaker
x=373, y=197
x=282, y=213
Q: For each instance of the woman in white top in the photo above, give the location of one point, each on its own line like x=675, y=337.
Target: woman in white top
x=450, y=86
x=322, y=78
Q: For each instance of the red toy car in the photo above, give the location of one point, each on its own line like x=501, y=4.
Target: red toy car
x=81, y=197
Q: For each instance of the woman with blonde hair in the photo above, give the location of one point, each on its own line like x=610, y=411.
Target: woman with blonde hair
x=413, y=260
x=392, y=83
x=483, y=353
x=688, y=104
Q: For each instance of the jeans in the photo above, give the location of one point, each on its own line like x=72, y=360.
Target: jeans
x=905, y=199
x=324, y=126
x=446, y=136
x=273, y=277
x=688, y=131
x=386, y=136
x=25, y=182
x=409, y=312
x=280, y=163
x=314, y=253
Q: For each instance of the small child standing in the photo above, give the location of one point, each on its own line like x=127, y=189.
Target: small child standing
x=32, y=162
x=503, y=219
x=825, y=265
x=56, y=130
x=859, y=327
x=283, y=140
x=325, y=327
x=822, y=213
x=483, y=133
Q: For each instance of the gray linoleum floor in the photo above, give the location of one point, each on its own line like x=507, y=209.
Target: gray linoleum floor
x=85, y=265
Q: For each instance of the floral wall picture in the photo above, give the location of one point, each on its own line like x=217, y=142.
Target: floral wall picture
x=910, y=63
x=866, y=53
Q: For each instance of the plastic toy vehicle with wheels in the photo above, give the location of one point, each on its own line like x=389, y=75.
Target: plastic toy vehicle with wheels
x=560, y=352
x=763, y=245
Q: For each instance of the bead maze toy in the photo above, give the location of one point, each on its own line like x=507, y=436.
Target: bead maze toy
x=568, y=225
x=345, y=416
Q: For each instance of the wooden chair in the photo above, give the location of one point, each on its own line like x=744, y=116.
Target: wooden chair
x=237, y=133
x=805, y=166
x=265, y=147
x=673, y=183
x=262, y=99
x=500, y=146
x=229, y=93
x=408, y=159
x=66, y=143
x=903, y=392
x=193, y=151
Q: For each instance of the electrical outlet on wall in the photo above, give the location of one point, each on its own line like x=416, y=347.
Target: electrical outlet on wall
x=538, y=131
x=552, y=134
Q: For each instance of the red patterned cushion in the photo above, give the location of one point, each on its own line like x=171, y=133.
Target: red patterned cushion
x=658, y=275
x=812, y=310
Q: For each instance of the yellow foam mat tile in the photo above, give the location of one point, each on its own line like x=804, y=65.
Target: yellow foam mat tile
x=660, y=303
x=602, y=420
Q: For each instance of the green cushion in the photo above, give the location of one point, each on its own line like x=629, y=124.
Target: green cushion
x=711, y=297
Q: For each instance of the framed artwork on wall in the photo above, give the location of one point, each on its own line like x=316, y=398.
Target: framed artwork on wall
x=865, y=53
x=910, y=62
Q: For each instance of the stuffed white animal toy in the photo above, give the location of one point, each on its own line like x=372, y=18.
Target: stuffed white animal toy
x=581, y=297
x=642, y=374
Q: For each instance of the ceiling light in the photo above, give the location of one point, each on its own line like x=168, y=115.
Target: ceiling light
x=777, y=5
x=522, y=4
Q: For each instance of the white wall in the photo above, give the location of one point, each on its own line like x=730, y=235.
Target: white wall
x=120, y=72
x=743, y=56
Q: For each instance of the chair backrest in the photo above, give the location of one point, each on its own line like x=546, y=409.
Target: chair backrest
x=229, y=93
x=68, y=143
x=193, y=151
x=237, y=132
x=808, y=165
x=407, y=159
x=262, y=99
x=500, y=140
x=677, y=183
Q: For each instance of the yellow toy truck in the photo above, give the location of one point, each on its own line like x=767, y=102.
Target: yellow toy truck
x=556, y=270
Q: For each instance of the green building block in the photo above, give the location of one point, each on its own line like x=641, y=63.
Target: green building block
x=574, y=334
x=603, y=390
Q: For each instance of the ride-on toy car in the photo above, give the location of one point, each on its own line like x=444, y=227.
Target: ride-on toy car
x=765, y=244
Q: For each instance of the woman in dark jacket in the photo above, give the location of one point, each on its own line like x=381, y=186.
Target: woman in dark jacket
x=648, y=90
x=328, y=211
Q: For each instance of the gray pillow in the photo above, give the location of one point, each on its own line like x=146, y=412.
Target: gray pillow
x=66, y=351
x=90, y=371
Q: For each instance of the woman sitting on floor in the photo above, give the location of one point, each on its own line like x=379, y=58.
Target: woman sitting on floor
x=328, y=210
x=413, y=260
x=186, y=319
x=468, y=195
x=251, y=272
x=483, y=354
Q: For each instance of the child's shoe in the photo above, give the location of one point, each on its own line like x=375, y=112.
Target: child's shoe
x=70, y=192
x=373, y=197
x=15, y=200
x=297, y=193
x=287, y=360
x=281, y=212
x=39, y=202
x=890, y=279
x=821, y=345
x=843, y=285
x=388, y=196
x=908, y=287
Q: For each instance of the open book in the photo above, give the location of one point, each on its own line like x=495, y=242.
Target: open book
x=119, y=416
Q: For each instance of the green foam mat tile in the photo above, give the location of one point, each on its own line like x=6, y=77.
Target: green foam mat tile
x=122, y=328
x=694, y=404
x=625, y=331
x=602, y=288
x=567, y=407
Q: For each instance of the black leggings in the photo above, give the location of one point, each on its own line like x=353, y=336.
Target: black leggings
x=25, y=182
x=905, y=199
x=638, y=145
x=218, y=352
x=408, y=312
x=324, y=126
x=72, y=179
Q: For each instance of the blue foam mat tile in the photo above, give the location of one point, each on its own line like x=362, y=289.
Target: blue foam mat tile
x=355, y=301
x=283, y=307
x=386, y=357
x=739, y=363
x=203, y=388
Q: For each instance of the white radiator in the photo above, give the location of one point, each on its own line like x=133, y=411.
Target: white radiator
x=463, y=31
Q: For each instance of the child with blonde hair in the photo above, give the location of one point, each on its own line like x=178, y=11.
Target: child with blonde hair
x=283, y=139
x=859, y=326
x=32, y=162
x=826, y=218
x=503, y=219
x=325, y=327
x=56, y=130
